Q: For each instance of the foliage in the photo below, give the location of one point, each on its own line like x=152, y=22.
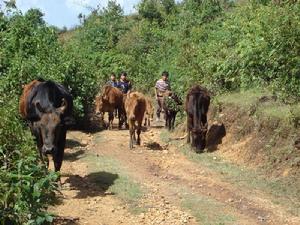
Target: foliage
x=224, y=45
x=171, y=104
x=26, y=186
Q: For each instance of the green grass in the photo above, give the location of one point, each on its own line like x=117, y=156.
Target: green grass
x=284, y=190
x=276, y=110
x=207, y=211
x=165, y=135
x=244, y=99
x=115, y=176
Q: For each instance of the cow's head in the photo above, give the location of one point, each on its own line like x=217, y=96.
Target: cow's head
x=199, y=138
x=49, y=126
x=99, y=103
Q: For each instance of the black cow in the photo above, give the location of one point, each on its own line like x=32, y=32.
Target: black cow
x=196, y=107
x=171, y=106
x=47, y=106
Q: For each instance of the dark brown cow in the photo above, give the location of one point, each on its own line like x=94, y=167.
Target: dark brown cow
x=149, y=113
x=135, y=106
x=171, y=112
x=110, y=99
x=47, y=106
x=196, y=107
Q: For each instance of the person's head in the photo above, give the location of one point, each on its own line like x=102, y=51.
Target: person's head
x=165, y=75
x=123, y=76
x=113, y=77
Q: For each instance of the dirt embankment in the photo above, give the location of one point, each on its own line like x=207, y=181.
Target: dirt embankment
x=261, y=133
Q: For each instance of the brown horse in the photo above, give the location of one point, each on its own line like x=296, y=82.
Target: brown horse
x=135, y=106
x=110, y=99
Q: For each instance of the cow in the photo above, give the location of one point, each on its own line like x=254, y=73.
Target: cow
x=47, y=106
x=171, y=106
x=135, y=106
x=196, y=107
x=149, y=113
x=110, y=99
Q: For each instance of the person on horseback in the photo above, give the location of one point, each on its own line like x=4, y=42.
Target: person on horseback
x=113, y=81
x=124, y=84
x=161, y=87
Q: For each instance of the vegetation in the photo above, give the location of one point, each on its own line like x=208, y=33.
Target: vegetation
x=224, y=45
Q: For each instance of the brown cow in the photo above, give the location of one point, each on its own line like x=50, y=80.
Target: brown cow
x=110, y=99
x=135, y=106
x=149, y=113
x=196, y=107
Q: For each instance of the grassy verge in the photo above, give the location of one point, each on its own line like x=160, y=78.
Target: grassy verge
x=207, y=211
x=112, y=174
x=283, y=191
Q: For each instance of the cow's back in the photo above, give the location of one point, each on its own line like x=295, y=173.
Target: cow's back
x=28, y=93
x=135, y=106
x=48, y=94
x=112, y=96
x=197, y=102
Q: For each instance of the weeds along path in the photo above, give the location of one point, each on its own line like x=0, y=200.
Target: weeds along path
x=106, y=183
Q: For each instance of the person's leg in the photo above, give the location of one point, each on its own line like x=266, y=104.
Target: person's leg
x=159, y=107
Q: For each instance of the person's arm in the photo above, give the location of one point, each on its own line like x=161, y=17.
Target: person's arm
x=155, y=90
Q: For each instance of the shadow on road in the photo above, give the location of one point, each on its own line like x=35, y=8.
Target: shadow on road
x=94, y=184
x=74, y=155
x=71, y=143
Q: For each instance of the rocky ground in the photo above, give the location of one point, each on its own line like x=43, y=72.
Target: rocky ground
x=106, y=183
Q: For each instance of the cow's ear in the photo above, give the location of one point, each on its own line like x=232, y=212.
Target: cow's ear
x=39, y=107
x=63, y=107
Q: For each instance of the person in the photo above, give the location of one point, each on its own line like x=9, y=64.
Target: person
x=113, y=81
x=161, y=86
x=124, y=83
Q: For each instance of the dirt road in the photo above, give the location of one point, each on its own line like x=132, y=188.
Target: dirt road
x=157, y=183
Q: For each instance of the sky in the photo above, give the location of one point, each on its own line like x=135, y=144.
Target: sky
x=62, y=13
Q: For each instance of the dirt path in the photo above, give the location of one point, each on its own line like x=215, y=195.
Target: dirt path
x=106, y=183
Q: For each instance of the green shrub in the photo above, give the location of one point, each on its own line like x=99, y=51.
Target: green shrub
x=25, y=185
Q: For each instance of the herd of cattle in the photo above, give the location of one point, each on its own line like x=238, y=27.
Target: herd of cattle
x=47, y=107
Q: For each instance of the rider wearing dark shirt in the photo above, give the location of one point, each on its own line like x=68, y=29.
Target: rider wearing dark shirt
x=124, y=84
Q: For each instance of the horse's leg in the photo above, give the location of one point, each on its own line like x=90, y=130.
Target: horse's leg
x=188, y=140
x=139, y=127
x=110, y=119
x=131, y=132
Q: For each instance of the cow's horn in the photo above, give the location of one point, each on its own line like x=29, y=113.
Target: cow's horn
x=64, y=105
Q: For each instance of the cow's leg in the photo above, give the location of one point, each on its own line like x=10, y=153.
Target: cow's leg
x=102, y=123
x=145, y=123
x=122, y=117
x=59, y=154
x=138, y=131
x=188, y=140
x=172, y=124
x=131, y=132
x=39, y=141
x=110, y=119
x=134, y=129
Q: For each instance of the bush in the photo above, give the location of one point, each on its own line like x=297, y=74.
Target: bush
x=25, y=185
